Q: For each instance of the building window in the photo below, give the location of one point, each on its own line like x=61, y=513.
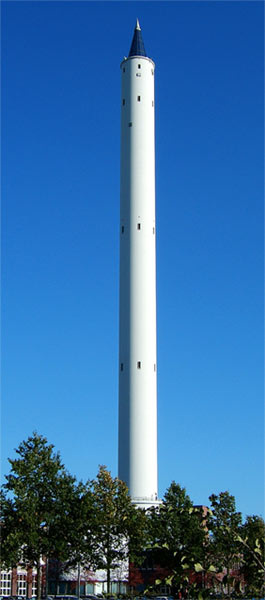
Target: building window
x=152, y=102
x=138, y=74
x=122, y=228
x=121, y=366
x=34, y=585
x=62, y=587
x=139, y=66
x=123, y=589
x=5, y=584
x=138, y=225
x=152, y=71
x=123, y=102
x=21, y=585
x=123, y=69
x=139, y=364
x=139, y=98
x=154, y=367
x=130, y=124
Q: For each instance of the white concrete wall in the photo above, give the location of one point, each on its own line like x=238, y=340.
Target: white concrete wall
x=137, y=386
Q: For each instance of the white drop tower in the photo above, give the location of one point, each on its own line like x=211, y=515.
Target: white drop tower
x=137, y=338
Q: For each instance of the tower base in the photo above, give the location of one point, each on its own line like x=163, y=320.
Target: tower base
x=146, y=503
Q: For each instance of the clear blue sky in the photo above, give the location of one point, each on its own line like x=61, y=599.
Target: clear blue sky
x=60, y=147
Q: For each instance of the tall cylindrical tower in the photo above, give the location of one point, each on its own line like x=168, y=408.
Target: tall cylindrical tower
x=137, y=341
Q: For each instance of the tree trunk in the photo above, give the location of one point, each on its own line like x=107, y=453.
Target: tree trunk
x=228, y=582
x=78, y=580
x=108, y=563
x=39, y=580
x=47, y=578
x=108, y=580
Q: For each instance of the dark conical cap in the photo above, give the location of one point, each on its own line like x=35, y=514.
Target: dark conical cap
x=137, y=47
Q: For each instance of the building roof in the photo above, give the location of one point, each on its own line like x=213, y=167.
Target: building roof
x=137, y=46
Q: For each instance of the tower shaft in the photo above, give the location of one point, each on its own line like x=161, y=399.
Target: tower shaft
x=137, y=337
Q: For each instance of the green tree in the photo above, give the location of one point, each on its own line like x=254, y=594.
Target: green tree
x=72, y=527
x=38, y=517
x=10, y=537
x=224, y=524
x=177, y=536
x=252, y=539
x=118, y=531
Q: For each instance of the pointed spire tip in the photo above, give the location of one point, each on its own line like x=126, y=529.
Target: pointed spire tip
x=137, y=46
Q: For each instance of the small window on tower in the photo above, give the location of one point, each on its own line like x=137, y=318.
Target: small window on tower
x=123, y=69
x=122, y=228
x=139, y=66
x=123, y=102
x=139, y=364
x=154, y=367
x=139, y=98
x=153, y=230
x=138, y=225
x=152, y=102
x=130, y=124
x=152, y=71
x=121, y=366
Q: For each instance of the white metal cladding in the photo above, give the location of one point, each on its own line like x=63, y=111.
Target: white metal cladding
x=137, y=343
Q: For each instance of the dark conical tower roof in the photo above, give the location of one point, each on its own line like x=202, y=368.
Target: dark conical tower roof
x=137, y=47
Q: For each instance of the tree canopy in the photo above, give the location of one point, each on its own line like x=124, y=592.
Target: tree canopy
x=118, y=529
x=224, y=523
x=252, y=540
x=40, y=515
x=176, y=537
x=94, y=525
